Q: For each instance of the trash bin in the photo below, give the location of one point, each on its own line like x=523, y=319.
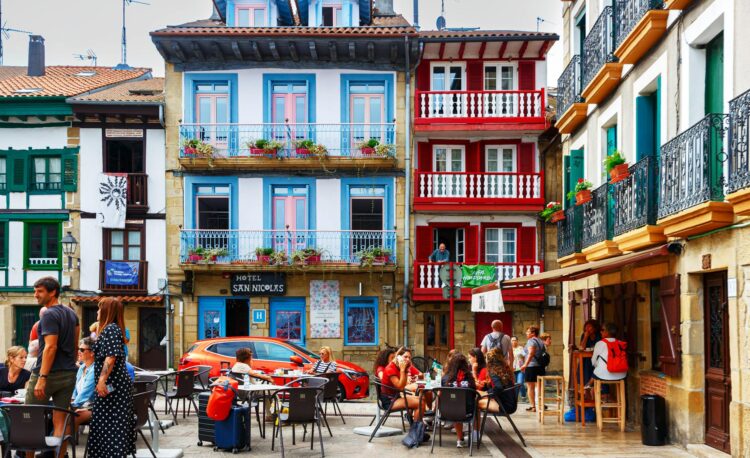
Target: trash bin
x=654, y=420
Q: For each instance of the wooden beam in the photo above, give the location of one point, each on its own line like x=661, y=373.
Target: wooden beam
x=522, y=51
x=237, y=51
x=274, y=51
x=197, y=51
x=543, y=49
x=256, y=51
x=371, y=51
x=217, y=51
x=293, y=51
x=333, y=52
x=481, y=50
x=501, y=53
x=162, y=50
x=313, y=50
x=352, y=51
x=178, y=51
x=394, y=53
x=442, y=50
x=461, y=50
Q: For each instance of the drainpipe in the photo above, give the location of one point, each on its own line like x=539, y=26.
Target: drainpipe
x=407, y=193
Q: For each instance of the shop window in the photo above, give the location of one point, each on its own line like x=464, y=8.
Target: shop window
x=361, y=322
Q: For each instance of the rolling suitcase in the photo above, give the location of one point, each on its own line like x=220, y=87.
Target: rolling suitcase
x=234, y=432
x=205, y=424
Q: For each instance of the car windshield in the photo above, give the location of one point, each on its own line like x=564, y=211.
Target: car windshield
x=303, y=350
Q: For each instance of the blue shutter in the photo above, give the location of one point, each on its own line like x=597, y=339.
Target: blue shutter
x=319, y=13
x=611, y=140
x=645, y=126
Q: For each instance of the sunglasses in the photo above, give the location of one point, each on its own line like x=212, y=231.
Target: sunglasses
x=82, y=350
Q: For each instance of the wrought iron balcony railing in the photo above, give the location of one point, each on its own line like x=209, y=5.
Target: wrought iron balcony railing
x=569, y=232
x=569, y=86
x=597, y=215
x=739, y=138
x=628, y=13
x=479, y=105
x=635, y=199
x=691, y=166
x=236, y=140
x=287, y=246
x=598, y=46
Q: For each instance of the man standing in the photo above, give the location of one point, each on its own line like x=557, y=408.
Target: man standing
x=54, y=375
x=498, y=339
x=440, y=255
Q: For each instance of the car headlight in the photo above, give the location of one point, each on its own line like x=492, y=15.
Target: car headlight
x=353, y=375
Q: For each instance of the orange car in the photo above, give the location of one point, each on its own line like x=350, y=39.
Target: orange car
x=269, y=354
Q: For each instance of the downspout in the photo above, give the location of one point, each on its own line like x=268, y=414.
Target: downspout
x=407, y=195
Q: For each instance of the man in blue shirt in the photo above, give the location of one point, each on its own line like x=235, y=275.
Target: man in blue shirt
x=440, y=255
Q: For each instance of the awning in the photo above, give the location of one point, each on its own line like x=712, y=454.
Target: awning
x=576, y=272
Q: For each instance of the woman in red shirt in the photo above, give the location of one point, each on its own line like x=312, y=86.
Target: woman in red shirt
x=479, y=368
x=400, y=375
x=382, y=360
x=458, y=374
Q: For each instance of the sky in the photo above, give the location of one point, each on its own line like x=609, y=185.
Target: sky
x=75, y=26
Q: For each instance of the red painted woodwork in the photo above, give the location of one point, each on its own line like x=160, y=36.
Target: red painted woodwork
x=526, y=244
x=483, y=322
x=472, y=244
x=424, y=242
x=474, y=75
x=526, y=157
x=527, y=75
x=424, y=159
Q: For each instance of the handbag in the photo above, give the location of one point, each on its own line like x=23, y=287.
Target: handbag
x=416, y=435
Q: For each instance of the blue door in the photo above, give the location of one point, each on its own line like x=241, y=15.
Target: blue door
x=211, y=317
x=288, y=319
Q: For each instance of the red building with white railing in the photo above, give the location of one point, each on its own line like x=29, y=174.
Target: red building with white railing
x=479, y=109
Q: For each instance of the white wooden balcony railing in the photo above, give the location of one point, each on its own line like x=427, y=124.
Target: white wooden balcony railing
x=480, y=105
x=478, y=185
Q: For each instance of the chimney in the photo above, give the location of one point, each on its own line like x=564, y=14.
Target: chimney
x=36, y=56
x=384, y=7
x=416, y=13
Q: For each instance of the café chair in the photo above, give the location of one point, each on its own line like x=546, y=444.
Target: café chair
x=26, y=435
x=303, y=407
x=331, y=395
x=185, y=390
x=495, y=408
x=457, y=405
x=387, y=410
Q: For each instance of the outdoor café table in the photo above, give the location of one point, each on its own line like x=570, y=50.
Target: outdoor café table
x=579, y=384
x=164, y=376
x=285, y=379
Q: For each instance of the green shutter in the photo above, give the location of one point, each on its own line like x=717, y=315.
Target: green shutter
x=70, y=172
x=576, y=169
x=645, y=126
x=611, y=140
x=714, y=102
x=566, y=181
x=17, y=173
x=657, y=116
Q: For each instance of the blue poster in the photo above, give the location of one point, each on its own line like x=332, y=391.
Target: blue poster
x=121, y=273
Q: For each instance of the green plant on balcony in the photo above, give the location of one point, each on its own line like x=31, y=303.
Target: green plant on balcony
x=373, y=147
x=194, y=147
x=263, y=147
x=616, y=166
x=307, y=256
x=552, y=213
x=374, y=255
x=278, y=258
x=582, y=191
x=213, y=255
x=264, y=254
x=196, y=254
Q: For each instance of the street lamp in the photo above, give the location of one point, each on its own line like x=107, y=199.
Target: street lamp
x=69, y=244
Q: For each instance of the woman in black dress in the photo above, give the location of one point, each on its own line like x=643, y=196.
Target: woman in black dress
x=112, y=422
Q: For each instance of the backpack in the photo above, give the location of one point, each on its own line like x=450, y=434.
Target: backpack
x=416, y=435
x=541, y=356
x=495, y=343
x=617, y=358
x=221, y=399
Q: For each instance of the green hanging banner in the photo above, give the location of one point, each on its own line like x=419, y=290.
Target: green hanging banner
x=474, y=276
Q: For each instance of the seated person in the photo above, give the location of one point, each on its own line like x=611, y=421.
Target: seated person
x=600, y=356
x=458, y=374
x=243, y=366
x=501, y=378
x=325, y=364
x=382, y=360
x=33, y=354
x=131, y=371
x=479, y=368
x=400, y=375
x=591, y=335
x=13, y=376
x=83, y=393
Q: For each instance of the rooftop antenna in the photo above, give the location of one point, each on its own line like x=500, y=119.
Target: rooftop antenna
x=5, y=32
x=123, y=65
x=89, y=56
x=539, y=20
x=441, y=19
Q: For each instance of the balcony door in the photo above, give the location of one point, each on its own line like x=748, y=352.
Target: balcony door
x=718, y=368
x=212, y=217
x=367, y=112
x=500, y=245
x=127, y=156
x=212, y=113
x=125, y=245
x=500, y=78
x=454, y=240
x=290, y=218
x=446, y=78
x=449, y=162
x=500, y=160
x=289, y=111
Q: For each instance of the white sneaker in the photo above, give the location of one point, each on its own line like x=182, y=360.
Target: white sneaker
x=460, y=444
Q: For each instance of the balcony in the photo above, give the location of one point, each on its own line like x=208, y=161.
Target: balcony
x=639, y=25
x=571, y=109
x=428, y=287
x=691, y=180
x=232, y=145
x=295, y=249
x=138, y=192
x=601, y=72
x=738, y=180
x=635, y=208
x=134, y=281
x=467, y=191
x=569, y=238
x=596, y=241
x=676, y=4
x=485, y=110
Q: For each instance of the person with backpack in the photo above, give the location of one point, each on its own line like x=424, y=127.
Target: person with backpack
x=497, y=339
x=610, y=358
x=537, y=359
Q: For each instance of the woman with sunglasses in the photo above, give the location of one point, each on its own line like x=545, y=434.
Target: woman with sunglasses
x=83, y=394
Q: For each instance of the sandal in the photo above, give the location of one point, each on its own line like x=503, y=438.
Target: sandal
x=531, y=409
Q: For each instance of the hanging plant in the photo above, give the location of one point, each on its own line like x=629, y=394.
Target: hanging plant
x=617, y=167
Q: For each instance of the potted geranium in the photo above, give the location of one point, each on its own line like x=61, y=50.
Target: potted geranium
x=553, y=212
x=306, y=256
x=264, y=255
x=375, y=255
x=319, y=151
x=196, y=254
x=263, y=147
x=303, y=147
x=197, y=148
x=582, y=191
x=616, y=167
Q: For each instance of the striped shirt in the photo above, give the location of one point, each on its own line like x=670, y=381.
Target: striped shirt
x=321, y=368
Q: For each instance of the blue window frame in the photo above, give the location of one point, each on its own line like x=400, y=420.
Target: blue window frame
x=296, y=83
x=367, y=84
x=360, y=321
x=209, y=83
x=288, y=186
x=288, y=318
x=207, y=186
x=211, y=317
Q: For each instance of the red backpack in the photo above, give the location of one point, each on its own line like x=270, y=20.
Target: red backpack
x=221, y=399
x=617, y=358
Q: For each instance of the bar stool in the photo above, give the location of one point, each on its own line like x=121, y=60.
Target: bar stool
x=619, y=405
x=558, y=399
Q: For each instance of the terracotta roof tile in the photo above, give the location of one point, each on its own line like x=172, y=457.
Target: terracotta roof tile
x=139, y=299
x=515, y=34
x=9, y=72
x=275, y=31
x=65, y=81
x=150, y=91
x=396, y=20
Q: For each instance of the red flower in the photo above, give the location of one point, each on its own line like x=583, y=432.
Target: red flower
x=580, y=180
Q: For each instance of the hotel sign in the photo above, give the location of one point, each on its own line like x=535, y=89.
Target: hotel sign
x=259, y=284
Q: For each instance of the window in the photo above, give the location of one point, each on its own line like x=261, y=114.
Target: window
x=126, y=245
x=43, y=248
x=446, y=77
x=499, y=78
x=251, y=16
x=361, y=322
x=229, y=349
x=124, y=156
x=500, y=245
x=47, y=174
x=3, y=174
x=272, y=352
x=367, y=215
x=332, y=16
x=211, y=111
x=500, y=159
x=451, y=160
x=448, y=159
x=3, y=244
x=367, y=111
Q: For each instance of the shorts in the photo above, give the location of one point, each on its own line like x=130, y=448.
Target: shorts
x=60, y=386
x=532, y=372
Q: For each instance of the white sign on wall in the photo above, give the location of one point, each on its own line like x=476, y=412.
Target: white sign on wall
x=488, y=302
x=123, y=133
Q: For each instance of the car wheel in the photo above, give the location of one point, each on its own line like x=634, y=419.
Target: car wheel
x=340, y=392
